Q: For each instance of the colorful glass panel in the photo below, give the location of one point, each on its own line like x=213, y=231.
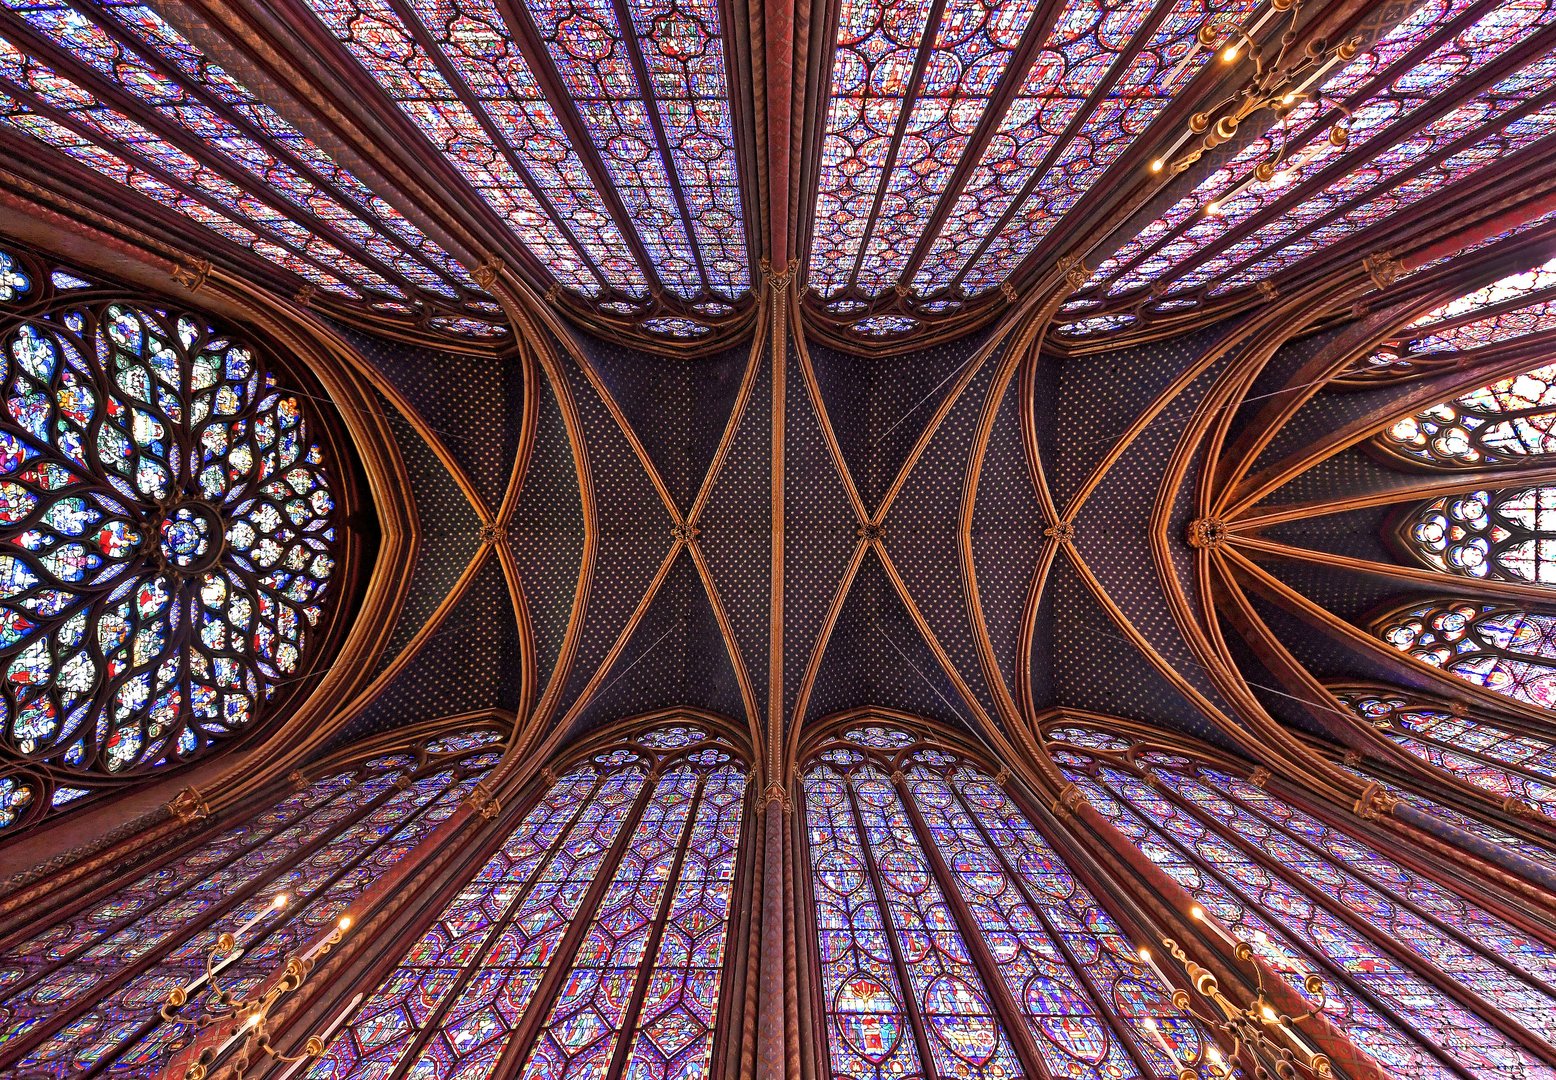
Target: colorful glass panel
x=245, y=138
x=377, y=37
x=1296, y=936
x=1506, y=421
x=1508, y=764
x=1495, y=646
x=82, y=992
x=527, y=934
x=1392, y=158
x=1504, y=534
x=170, y=535
x=886, y=857
x=1508, y=309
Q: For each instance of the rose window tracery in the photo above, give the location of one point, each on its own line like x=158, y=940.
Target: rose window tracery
x=167, y=533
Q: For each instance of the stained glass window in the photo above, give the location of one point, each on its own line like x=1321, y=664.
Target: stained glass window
x=1310, y=897
x=651, y=96
x=1504, y=534
x=899, y=199
x=1503, y=422
x=1509, y=764
x=1502, y=648
x=1487, y=831
x=920, y=861
x=597, y=932
x=1408, y=138
x=169, y=528
x=81, y=993
x=1506, y=311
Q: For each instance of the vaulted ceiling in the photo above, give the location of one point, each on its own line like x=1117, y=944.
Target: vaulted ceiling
x=779, y=360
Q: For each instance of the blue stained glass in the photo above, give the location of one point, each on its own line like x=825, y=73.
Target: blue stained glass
x=203, y=498
x=1296, y=934
x=377, y=39
x=452, y=1005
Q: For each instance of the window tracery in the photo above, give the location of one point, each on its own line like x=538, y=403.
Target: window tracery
x=918, y=861
x=1502, y=423
x=1501, y=534
x=592, y=942
x=1506, y=311
x=79, y=994
x=1403, y=145
x=1502, y=648
x=1420, y=972
x=171, y=535
x=1509, y=764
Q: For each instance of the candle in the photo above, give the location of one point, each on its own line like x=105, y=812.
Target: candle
x=1161, y=1040
x=199, y=980
x=324, y=1036
x=328, y=939
x=1145, y=955
x=275, y=905
x=1215, y=927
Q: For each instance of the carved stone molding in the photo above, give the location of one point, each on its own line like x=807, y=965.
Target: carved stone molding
x=548, y=776
x=1070, y=799
x=493, y=533
x=1374, y=803
x=1351, y=758
x=1008, y=291
x=482, y=801
x=485, y=275
x=776, y=793
x=1268, y=290
x=1062, y=532
x=303, y=297
x=683, y=533
x=1519, y=808
x=871, y=533
x=1002, y=777
x=1208, y=533
x=1259, y=777
x=188, y=805
x=193, y=275
x=297, y=779
x=1383, y=268
x=1075, y=271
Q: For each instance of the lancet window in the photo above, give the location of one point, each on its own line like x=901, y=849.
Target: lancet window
x=1501, y=647
x=1502, y=534
x=1421, y=977
x=1509, y=764
x=170, y=530
x=79, y=995
x=1504, y=312
x=951, y=937
x=1507, y=421
x=593, y=941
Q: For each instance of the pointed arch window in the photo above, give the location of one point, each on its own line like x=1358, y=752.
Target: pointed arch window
x=1503, y=648
x=1504, y=422
x=1509, y=764
x=951, y=938
x=79, y=995
x=170, y=529
x=592, y=942
x=1506, y=311
x=1501, y=534
x=1422, y=978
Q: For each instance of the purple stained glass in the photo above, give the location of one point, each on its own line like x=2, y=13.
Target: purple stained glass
x=1501, y=648
x=81, y=991
x=1500, y=534
x=1508, y=764
x=1506, y=421
x=1296, y=937
x=1335, y=192
x=452, y=1005
x=373, y=33
x=1062, y=961
x=154, y=479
